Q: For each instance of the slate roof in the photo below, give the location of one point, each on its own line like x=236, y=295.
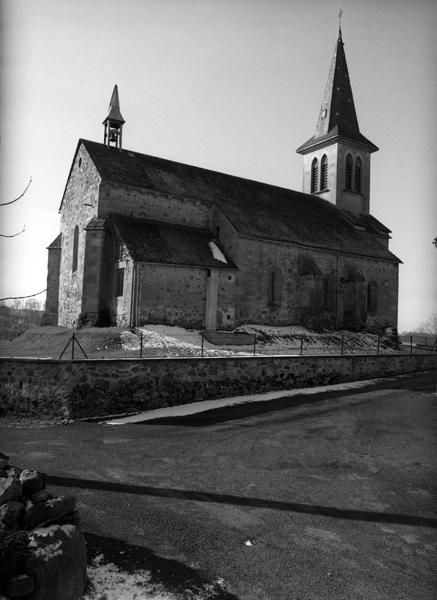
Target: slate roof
x=255, y=209
x=337, y=117
x=154, y=242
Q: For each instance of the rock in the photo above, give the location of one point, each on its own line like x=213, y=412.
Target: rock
x=48, y=511
x=4, y=463
x=31, y=481
x=11, y=512
x=13, y=472
x=10, y=489
x=4, y=456
x=20, y=586
x=41, y=496
x=57, y=563
x=72, y=518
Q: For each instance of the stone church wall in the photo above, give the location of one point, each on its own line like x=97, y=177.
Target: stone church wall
x=50, y=316
x=79, y=207
x=172, y=295
x=147, y=204
x=307, y=282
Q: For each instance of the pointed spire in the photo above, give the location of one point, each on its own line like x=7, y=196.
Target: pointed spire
x=113, y=122
x=338, y=108
x=114, y=113
x=337, y=115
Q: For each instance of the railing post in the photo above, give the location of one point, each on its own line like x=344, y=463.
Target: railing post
x=379, y=342
x=201, y=351
x=73, y=338
x=342, y=344
x=411, y=344
x=254, y=343
x=141, y=345
x=301, y=345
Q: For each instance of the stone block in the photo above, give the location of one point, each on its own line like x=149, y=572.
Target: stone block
x=48, y=511
x=31, y=481
x=57, y=563
x=11, y=512
x=40, y=496
x=10, y=489
x=20, y=586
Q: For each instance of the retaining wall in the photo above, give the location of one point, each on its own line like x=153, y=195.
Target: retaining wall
x=82, y=388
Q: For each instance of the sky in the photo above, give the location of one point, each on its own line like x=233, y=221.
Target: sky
x=230, y=85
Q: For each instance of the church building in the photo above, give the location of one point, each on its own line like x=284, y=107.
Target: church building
x=148, y=240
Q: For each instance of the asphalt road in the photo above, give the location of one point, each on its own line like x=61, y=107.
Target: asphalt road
x=330, y=496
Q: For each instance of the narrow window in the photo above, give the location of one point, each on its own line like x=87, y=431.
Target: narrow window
x=325, y=293
x=314, y=175
x=119, y=249
x=357, y=178
x=372, y=297
x=324, y=173
x=274, y=288
x=119, y=282
x=75, y=248
x=348, y=173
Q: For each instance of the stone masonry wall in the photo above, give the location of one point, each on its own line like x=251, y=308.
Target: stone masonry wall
x=172, y=295
x=79, y=207
x=310, y=299
x=81, y=388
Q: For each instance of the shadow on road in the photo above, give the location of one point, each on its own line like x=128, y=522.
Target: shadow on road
x=172, y=574
x=298, y=507
x=250, y=409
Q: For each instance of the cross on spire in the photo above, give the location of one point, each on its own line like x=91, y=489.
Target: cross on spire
x=339, y=22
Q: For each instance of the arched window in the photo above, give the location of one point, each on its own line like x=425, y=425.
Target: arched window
x=274, y=288
x=357, y=178
x=75, y=248
x=372, y=297
x=314, y=175
x=324, y=173
x=348, y=173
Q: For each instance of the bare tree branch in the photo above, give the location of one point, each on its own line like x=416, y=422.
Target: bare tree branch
x=13, y=235
x=20, y=196
x=22, y=297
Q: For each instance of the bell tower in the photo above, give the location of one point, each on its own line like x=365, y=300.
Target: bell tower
x=113, y=122
x=337, y=157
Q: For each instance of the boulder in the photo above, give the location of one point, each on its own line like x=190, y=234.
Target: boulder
x=31, y=481
x=20, y=586
x=13, y=472
x=41, y=496
x=10, y=489
x=11, y=512
x=57, y=563
x=48, y=511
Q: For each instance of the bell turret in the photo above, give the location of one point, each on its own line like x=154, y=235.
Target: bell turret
x=113, y=122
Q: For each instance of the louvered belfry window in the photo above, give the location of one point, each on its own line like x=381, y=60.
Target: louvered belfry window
x=357, y=178
x=314, y=175
x=324, y=173
x=348, y=174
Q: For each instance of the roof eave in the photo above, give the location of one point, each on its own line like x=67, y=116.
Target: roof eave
x=315, y=143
